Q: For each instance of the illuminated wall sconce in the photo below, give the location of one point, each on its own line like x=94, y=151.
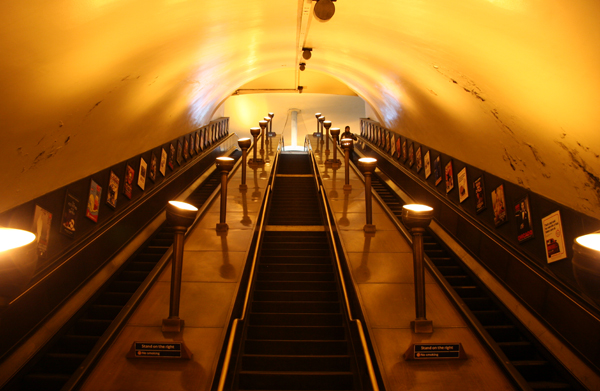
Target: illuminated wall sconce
x=224, y=164
x=586, y=264
x=347, y=144
x=367, y=166
x=255, y=132
x=244, y=144
x=180, y=216
x=416, y=218
x=12, y=241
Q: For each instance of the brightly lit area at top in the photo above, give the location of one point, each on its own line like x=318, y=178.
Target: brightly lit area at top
x=591, y=241
x=418, y=208
x=183, y=205
x=12, y=238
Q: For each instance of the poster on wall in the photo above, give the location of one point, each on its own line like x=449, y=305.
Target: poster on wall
x=398, y=147
x=68, y=222
x=163, y=162
x=393, y=144
x=411, y=155
x=142, y=174
x=186, y=149
x=113, y=190
x=523, y=217
x=449, y=176
x=404, y=150
x=427, y=164
x=93, y=203
x=418, y=159
x=500, y=215
x=179, y=153
x=437, y=170
x=171, y=156
x=41, y=227
x=128, y=185
x=463, y=190
x=479, y=188
x=197, y=142
x=152, y=170
x=553, y=237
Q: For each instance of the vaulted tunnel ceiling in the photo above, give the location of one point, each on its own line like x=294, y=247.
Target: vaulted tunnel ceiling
x=510, y=86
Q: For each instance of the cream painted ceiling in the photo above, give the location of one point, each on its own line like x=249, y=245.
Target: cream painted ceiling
x=510, y=86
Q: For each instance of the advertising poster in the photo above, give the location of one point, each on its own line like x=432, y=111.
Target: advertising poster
x=163, y=162
x=437, y=170
x=152, y=170
x=553, y=237
x=419, y=159
x=479, y=188
x=186, y=149
x=393, y=150
x=197, y=142
x=93, y=201
x=142, y=175
x=404, y=151
x=427, y=164
x=41, y=227
x=171, y=156
x=523, y=217
x=398, y=147
x=449, y=176
x=69, y=217
x=463, y=190
x=113, y=190
x=128, y=185
x=411, y=155
x=179, y=153
x=500, y=215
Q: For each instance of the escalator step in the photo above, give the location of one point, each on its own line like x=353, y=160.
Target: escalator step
x=295, y=295
x=114, y=298
x=91, y=327
x=300, y=307
x=533, y=370
x=263, y=380
x=291, y=258
x=77, y=343
x=45, y=381
x=60, y=363
x=287, y=347
x=285, y=319
x=297, y=363
x=325, y=333
x=296, y=285
x=503, y=333
x=295, y=268
x=267, y=276
x=479, y=303
x=516, y=350
x=100, y=311
x=491, y=317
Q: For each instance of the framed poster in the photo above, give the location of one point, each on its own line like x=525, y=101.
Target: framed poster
x=404, y=151
x=186, y=149
x=427, y=164
x=499, y=205
x=479, y=188
x=411, y=155
x=171, y=156
x=197, y=142
x=68, y=222
x=93, y=202
x=398, y=147
x=41, y=226
x=152, y=170
x=463, y=190
x=179, y=152
x=163, y=162
x=128, y=185
x=553, y=237
x=113, y=190
x=393, y=146
x=437, y=170
x=418, y=159
x=523, y=217
x=142, y=175
x=449, y=175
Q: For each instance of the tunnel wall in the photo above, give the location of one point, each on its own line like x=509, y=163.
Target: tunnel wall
x=548, y=289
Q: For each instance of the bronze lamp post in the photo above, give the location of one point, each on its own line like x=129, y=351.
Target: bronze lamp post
x=317, y=133
x=347, y=144
x=244, y=144
x=224, y=164
x=255, y=132
x=367, y=166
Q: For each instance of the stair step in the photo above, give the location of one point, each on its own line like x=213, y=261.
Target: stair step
x=491, y=317
x=297, y=363
x=331, y=333
x=302, y=347
x=295, y=295
x=516, y=350
x=295, y=259
x=503, y=333
x=304, y=307
x=295, y=268
x=296, y=285
x=60, y=363
x=479, y=303
x=299, y=319
x=281, y=276
x=533, y=370
x=263, y=380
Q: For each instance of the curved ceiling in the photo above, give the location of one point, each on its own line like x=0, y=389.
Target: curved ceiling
x=510, y=86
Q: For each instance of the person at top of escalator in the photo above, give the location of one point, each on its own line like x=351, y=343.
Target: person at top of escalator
x=348, y=134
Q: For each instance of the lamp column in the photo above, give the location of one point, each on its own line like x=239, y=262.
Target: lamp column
x=367, y=166
x=271, y=134
x=416, y=218
x=224, y=164
x=263, y=126
x=335, y=133
x=347, y=144
x=327, y=125
x=244, y=144
x=255, y=132
x=321, y=120
x=317, y=133
x=180, y=215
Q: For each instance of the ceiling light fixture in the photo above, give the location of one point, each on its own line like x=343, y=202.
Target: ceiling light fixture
x=306, y=53
x=302, y=66
x=324, y=10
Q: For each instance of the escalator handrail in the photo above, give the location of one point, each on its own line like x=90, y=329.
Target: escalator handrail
x=234, y=326
x=363, y=339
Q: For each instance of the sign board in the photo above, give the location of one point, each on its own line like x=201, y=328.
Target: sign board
x=159, y=350
x=435, y=351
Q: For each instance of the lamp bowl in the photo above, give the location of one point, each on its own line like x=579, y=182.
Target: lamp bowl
x=224, y=163
x=416, y=215
x=181, y=214
x=586, y=264
x=245, y=143
x=271, y=115
x=263, y=124
x=367, y=164
x=347, y=143
x=254, y=132
x=327, y=124
x=335, y=132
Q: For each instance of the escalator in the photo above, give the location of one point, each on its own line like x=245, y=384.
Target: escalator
x=54, y=367
x=537, y=367
x=297, y=335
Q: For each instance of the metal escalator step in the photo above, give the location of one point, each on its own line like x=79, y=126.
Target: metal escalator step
x=295, y=268
x=503, y=333
x=491, y=317
x=515, y=350
x=257, y=380
x=296, y=363
x=280, y=276
x=299, y=307
x=274, y=295
x=60, y=363
x=297, y=285
x=306, y=346
x=100, y=311
x=295, y=259
x=325, y=333
x=300, y=319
